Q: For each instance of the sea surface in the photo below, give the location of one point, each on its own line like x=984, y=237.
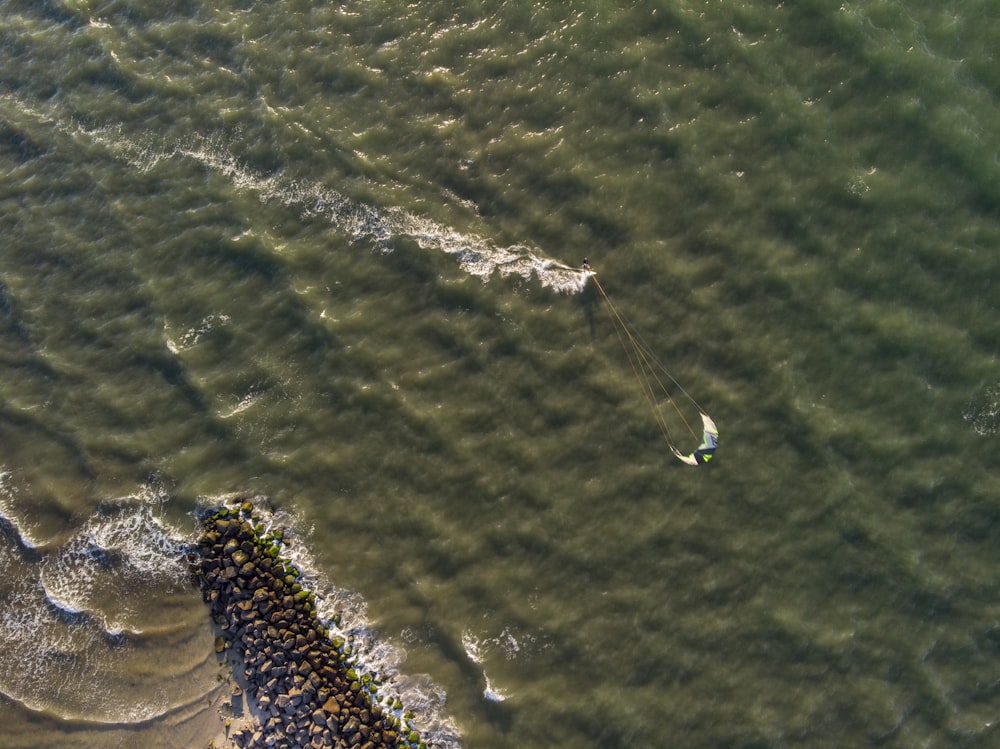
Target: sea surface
x=331, y=253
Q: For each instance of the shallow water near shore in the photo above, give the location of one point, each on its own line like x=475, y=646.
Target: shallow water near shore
x=329, y=254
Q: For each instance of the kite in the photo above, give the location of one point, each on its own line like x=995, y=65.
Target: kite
x=651, y=374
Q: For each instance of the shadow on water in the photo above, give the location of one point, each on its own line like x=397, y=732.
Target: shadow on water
x=19, y=144
x=27, y=552
x=17, y=427
x=589, y=300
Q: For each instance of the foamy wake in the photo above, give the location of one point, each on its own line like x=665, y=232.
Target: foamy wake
x=982, y=413
x=358, y=221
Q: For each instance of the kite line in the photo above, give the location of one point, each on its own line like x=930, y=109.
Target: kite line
x=654, y=380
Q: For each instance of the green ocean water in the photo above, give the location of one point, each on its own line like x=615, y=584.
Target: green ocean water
x=324, y=252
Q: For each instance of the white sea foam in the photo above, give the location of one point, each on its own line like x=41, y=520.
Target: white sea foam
x=65, y=618
x=64, y=666
x=473, y=647
x=492, y=693
x=246, y=402
x=478, y=647
x=192, y=336
x=122, y=552
x=358, y=221
x=477, y=650
x=982, y=413
x=9, y=492
x=476, y=255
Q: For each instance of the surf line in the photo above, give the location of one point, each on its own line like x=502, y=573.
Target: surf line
x=651, y=376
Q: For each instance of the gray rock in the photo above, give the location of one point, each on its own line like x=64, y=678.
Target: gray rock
x=351, y=726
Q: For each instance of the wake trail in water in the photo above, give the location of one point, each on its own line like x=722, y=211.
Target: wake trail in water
x=358, y=221
x=982, y=412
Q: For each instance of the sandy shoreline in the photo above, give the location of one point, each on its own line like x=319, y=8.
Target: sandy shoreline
x=236, y=711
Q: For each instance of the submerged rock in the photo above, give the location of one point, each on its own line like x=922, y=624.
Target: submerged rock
x=307, y=693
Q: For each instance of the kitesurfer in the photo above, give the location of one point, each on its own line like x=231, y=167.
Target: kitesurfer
x=705, y=451
x=649, y=372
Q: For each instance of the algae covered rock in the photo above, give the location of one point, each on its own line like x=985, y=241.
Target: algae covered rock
x=307, y=691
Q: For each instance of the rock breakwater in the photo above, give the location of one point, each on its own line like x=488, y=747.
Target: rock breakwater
x=305, y=691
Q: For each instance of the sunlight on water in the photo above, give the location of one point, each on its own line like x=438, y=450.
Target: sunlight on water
x=323, y=253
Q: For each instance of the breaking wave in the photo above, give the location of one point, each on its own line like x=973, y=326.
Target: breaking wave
x=70, y=624
x=76, y=617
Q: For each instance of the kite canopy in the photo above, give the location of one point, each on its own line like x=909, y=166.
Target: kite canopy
x=705, y=451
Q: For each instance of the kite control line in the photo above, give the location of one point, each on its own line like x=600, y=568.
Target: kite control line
x=651, y=376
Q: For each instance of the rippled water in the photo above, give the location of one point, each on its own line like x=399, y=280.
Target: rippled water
x=330, y=252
